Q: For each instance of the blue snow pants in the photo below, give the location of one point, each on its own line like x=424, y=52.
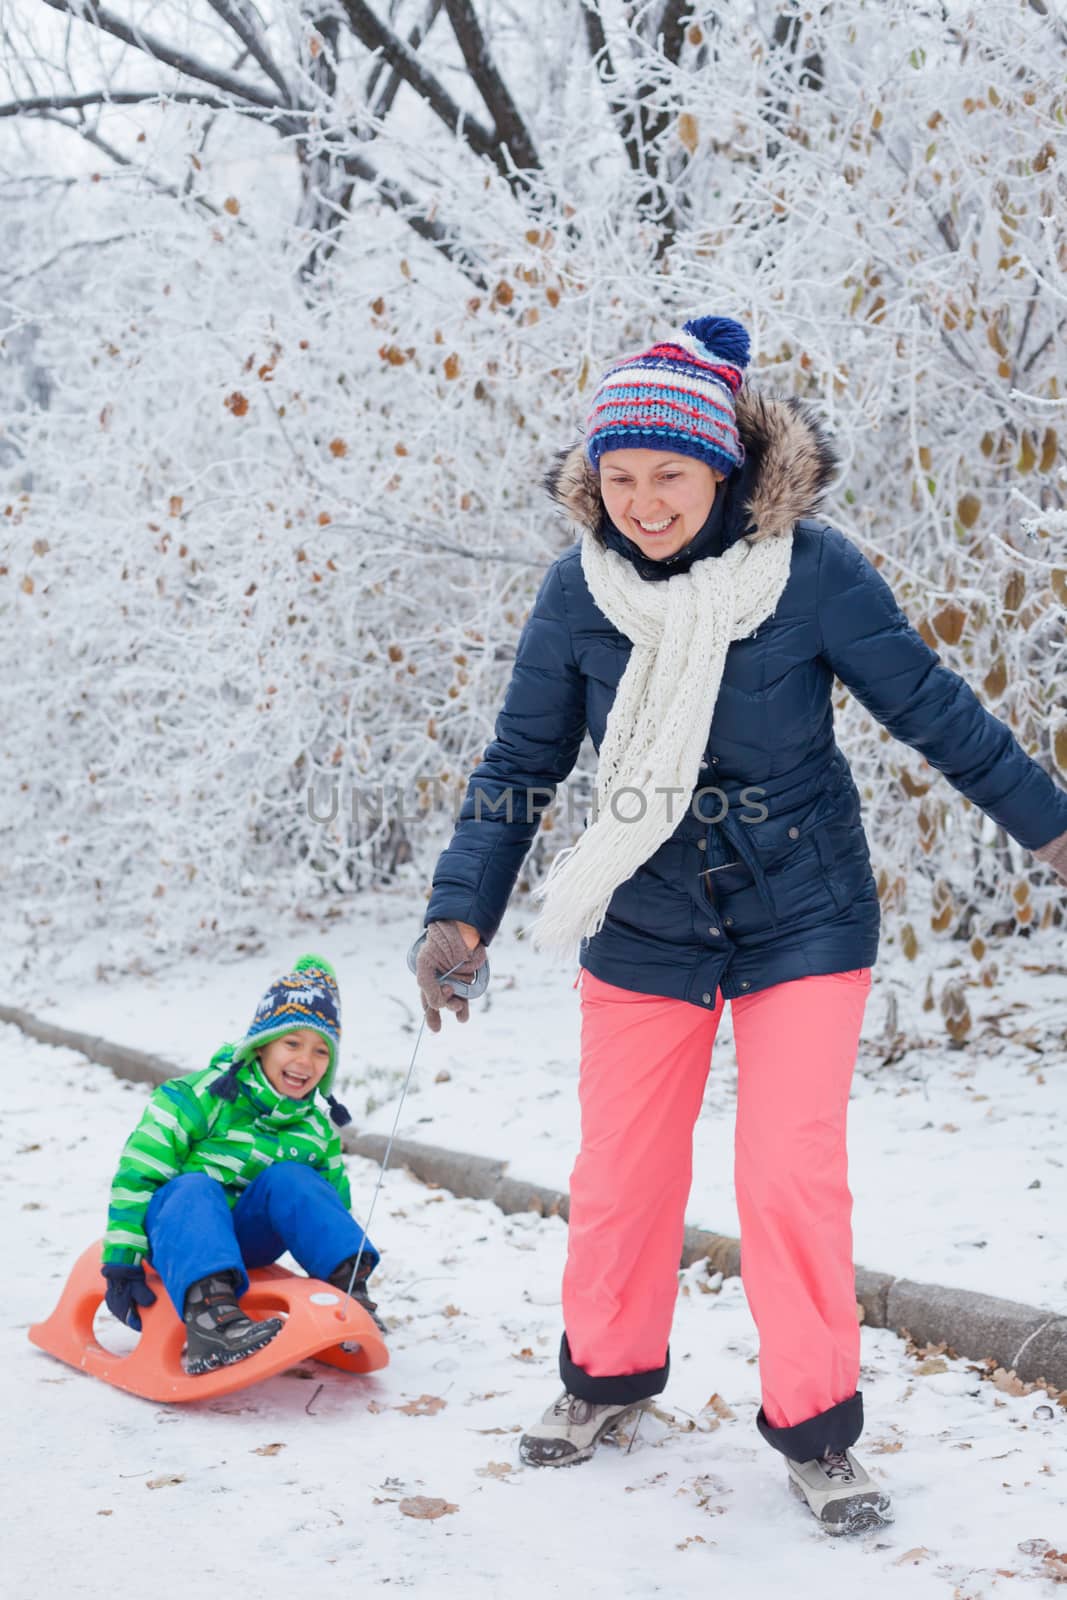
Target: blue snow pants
x=192, y=1231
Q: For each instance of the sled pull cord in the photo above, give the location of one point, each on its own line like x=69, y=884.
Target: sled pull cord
x=441, y=976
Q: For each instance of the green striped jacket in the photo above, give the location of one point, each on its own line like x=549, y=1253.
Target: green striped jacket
x=185, y=1128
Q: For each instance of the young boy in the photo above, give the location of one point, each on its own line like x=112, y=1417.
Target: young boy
x=228, y=1172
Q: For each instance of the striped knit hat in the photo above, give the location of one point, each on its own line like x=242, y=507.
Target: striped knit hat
x=677, y=396
x=306, y=997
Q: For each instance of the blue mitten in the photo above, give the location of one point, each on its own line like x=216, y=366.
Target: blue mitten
x=127, y=1289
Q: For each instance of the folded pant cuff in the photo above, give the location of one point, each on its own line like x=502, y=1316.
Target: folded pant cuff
x=613, y=1391
x=836, y=1429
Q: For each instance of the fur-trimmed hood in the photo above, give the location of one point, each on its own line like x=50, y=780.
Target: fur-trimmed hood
x=789, y=461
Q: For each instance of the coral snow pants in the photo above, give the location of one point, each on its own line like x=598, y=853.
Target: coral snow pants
x=644, y=1064
x=192, y=1231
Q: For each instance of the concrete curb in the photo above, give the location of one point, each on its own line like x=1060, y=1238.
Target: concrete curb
x=1022, y=1339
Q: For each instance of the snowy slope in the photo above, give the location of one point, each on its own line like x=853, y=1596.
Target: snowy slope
x=113, y=1494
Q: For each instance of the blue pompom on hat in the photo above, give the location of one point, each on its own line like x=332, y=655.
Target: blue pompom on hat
x=677, y=396
x=306, y=997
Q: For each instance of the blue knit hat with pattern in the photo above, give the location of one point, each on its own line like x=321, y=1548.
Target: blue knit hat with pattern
x=677, y=396
x=306, y=997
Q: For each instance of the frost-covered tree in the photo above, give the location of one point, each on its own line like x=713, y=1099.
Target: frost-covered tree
x=299, y=302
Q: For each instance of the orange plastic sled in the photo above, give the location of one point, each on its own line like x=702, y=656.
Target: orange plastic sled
x=319, y=1321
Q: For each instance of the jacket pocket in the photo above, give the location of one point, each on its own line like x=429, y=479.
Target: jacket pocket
x=794, y=854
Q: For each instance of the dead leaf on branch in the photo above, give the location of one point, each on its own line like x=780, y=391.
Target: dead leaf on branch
x=688, y=132
x=425, y=1508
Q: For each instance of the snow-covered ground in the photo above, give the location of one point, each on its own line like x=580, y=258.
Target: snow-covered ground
x=958, y=1166
x=299, y=1482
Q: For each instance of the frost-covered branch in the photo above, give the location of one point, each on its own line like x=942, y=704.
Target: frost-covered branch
x=113, y=97
x=182, y=61
x=508, y=122
x=242, y=20
x=377, y=37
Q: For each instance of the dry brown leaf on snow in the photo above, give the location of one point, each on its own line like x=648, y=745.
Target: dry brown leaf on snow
x=267, y=1449
x=931, y=1365
x=494, y=1469
x=706, y=1488
x=884, y=1447
x=1008, y=1383
x=425, y=1508
x=658, y=1477
x=166, y=1481
x=525, y=1354
x=912, y=1557
x=451, y=1311
x=720, y=1408
x=427, y=1405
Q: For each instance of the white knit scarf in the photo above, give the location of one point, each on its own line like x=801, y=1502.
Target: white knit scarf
x=657, y=730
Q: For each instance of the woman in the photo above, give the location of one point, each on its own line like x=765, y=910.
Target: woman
x=695, y=630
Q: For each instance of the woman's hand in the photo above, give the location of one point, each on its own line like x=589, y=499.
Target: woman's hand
x=1054, y=855
x=454, y=948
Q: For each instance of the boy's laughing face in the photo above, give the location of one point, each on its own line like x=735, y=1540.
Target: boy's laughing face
x=296, y=1063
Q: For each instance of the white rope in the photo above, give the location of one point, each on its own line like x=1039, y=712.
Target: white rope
x=389, y=1142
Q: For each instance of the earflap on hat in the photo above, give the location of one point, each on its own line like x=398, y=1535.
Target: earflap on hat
x=226, y=1086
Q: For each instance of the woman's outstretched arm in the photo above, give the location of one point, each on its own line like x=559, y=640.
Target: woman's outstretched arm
x=872, y=647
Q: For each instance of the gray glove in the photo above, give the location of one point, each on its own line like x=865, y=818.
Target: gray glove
x=1054, y=854
x=435, y=953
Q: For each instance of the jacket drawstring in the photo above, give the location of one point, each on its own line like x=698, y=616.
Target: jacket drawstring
x=752, y=861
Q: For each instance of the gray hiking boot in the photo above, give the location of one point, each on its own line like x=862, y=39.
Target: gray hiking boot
x=571, y=1429
x=217, y=1331
x=840, y=1493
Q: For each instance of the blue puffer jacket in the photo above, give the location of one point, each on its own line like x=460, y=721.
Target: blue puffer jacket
x=776, y=884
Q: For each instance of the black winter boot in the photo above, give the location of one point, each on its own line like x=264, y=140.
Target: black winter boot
x=216, y=1329
x=340, y=1277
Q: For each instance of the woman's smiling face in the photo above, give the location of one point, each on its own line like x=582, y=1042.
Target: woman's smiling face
x=657, y=499
x=295, y=1064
